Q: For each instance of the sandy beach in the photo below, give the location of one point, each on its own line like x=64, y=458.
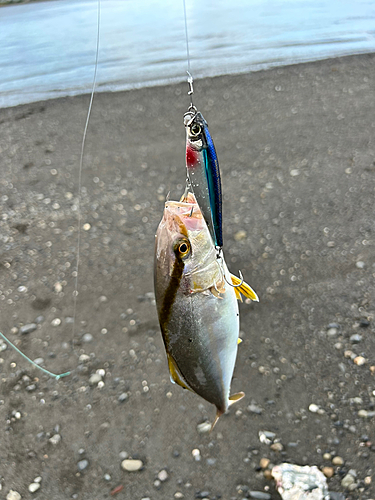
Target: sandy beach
x=296, y=147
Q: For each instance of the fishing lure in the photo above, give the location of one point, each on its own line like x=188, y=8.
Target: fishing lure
x=197, y=307
x=203, y=172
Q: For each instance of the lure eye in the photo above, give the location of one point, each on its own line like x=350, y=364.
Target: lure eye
x=195, y=129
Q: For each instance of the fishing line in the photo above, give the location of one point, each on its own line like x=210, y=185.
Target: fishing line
x=190, y=78
x=57, y=377
x=75, y=293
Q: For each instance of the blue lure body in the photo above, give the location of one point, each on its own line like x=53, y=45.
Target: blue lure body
x=204, y=174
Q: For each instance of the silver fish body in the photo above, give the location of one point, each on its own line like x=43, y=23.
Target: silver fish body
x=197, y=308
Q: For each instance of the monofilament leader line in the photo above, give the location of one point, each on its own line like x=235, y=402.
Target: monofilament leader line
x=190, y=78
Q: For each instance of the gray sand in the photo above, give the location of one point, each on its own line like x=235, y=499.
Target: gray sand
x=296, y=148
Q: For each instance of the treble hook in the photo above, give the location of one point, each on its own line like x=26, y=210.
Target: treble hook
x=218, y=257
x=236, y=286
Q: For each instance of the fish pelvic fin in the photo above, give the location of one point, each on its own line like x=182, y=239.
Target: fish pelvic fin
x=244, y=288
x=231, y=400
x=236, y=397
x=175, y=374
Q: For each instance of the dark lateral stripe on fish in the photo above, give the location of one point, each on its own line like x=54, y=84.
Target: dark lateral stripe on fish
x=171, y=292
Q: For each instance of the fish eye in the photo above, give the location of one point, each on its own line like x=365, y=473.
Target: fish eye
x=195, y=129
x=182, y=248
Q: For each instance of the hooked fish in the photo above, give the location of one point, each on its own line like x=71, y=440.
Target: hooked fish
x=203, y=172
x=197, y=307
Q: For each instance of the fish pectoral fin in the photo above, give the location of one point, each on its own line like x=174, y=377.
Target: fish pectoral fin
x=215, y=292
x=176, y=377
x=235, y=397
x=244, y=288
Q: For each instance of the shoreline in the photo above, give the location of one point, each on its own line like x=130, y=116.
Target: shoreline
x=178, y=80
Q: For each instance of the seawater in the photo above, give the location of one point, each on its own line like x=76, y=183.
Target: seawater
x=48, y=48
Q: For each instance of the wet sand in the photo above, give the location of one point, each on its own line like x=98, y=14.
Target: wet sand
x=296, y=148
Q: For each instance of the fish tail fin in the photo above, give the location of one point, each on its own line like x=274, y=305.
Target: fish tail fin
x=244, y=288
x=232, y=399
x=218, y=415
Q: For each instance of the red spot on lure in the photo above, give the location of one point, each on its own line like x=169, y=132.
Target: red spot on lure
x=191, y=157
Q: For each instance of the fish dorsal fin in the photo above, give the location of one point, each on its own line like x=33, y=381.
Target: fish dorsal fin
x=235, y=397
x=244, y=288
x=175, y=374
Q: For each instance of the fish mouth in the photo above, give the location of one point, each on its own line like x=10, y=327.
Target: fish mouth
x=184, y=216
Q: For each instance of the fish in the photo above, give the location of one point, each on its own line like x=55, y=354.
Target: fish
x=203, y=172
x=197, y=307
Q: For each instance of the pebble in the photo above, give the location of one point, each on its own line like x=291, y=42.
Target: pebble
x=313, y=408
x=264, y=463
x=196, y=454
x=337, y=461
x=332, y=332
x=266, y=436
x=368, y=480
x=204, y=427
x=254, y=408
x=327, y=456
x=259, y=495
x=123, y=397
x=31, y=327
x=163, y=475
x=87, y=337
x=39, y=361
x=33, y=487
x=359, y=360
x=123, y=455
x=178, y=494
x=55, y=439
x=240, y=235
x=82, y=465
x=131, y=465
x=95, y=379
x=13, y=495
x=364, y=323
x=277, y=447
x=157, y=484
x=347, y=481
x=333, y=495
x=56, y=322
x=360, y=264
x=333, y=325
x=202, y=494
x=84, y=358
x=356, y=338
x=328, y=471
